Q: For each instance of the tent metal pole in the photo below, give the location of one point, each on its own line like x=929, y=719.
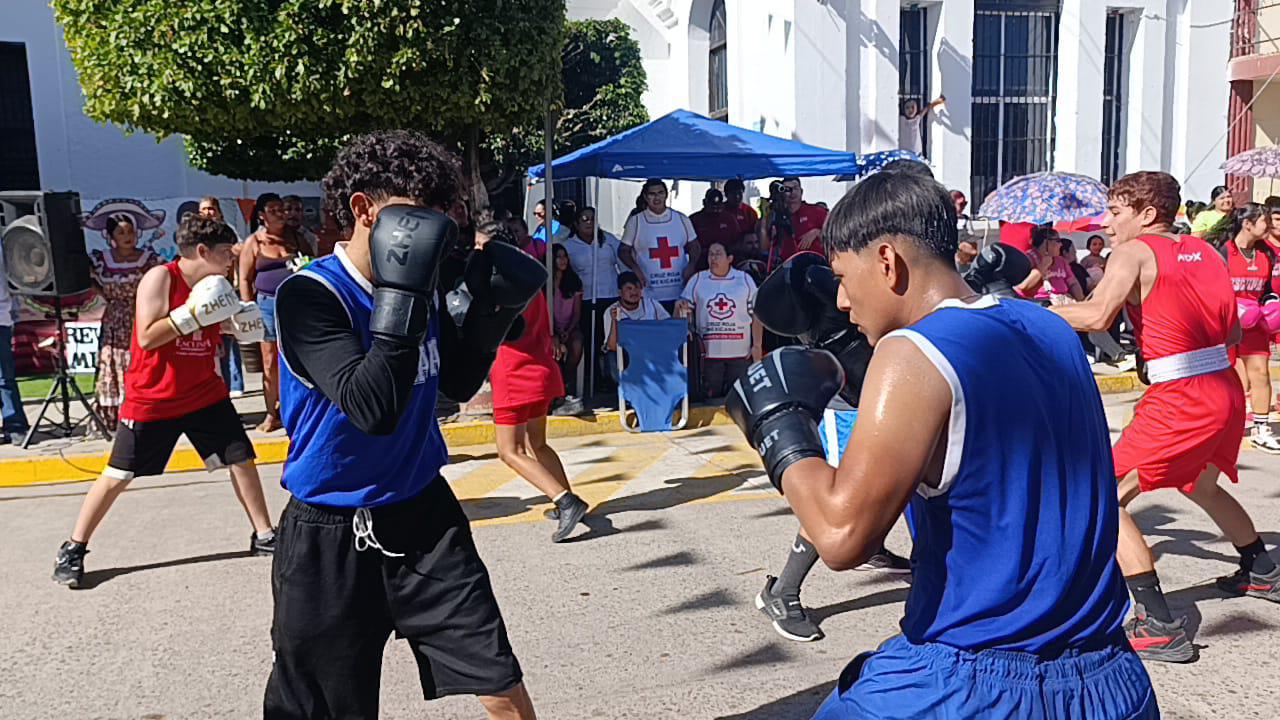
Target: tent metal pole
x=548, y=132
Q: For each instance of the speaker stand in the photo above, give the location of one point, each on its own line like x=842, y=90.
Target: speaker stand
x=63, y=387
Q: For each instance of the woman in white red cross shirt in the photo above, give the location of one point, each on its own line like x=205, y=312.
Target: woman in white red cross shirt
x=721, y=299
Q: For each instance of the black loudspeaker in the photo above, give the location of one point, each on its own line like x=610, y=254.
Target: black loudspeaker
x=44, y=252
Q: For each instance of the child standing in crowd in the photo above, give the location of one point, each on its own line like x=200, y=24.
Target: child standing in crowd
x=567, y=312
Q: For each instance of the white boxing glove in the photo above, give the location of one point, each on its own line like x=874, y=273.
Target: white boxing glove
x=211, y=301
x=246, y=325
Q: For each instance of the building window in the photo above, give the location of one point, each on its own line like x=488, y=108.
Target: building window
x=19, y=169
x=1015, y=60
x=718, y=65
x=913, y=60
x=1112, y=102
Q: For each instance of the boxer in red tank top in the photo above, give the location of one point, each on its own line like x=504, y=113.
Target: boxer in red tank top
x=1187, y=428
x=172, y=387
x=1249, y=265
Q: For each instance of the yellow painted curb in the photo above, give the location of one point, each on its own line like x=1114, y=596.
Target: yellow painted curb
x=20, y=472
x=1122, y=383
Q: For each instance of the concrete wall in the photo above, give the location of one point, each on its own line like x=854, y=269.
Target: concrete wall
x=75, y=153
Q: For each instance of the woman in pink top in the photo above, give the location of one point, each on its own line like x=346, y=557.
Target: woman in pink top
x=1060, y=285
x=567, y=312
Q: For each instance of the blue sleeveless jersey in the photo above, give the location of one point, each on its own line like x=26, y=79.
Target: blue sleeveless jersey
x=333, y=463
x=1015, y=550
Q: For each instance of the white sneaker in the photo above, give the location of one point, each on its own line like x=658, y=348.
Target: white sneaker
x=1262, y=439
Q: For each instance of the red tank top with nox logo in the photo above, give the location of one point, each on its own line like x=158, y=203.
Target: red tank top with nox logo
x=1192, y=304
x=178, y=377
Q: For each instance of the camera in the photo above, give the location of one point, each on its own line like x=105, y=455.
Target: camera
x=780, y=208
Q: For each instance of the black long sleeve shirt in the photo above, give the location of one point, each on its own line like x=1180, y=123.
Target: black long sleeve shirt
x=370, y=387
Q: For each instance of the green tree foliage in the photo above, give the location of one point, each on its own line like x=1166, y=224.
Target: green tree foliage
x=268, y=88
x=603, y=81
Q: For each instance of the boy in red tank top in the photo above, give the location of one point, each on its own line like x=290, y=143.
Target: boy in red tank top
x=172, y=387
x=1187, y=428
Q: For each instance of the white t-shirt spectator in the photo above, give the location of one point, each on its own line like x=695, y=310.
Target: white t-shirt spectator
x=648, y=309
x=596, y=264
x=722, y=308
x=911, y=133
x=659, y=242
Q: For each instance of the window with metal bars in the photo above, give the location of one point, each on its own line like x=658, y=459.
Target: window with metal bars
x=913, y=60
x=718, y=64
x=1015, y=61
x=19, y=169
x=1112, y=100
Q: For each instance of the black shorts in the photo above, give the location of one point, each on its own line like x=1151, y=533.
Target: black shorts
x=143, y=447
x=335, y=606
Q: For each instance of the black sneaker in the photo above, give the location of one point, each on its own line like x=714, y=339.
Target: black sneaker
x=1160, y=641
x=260, y=546
x=786, y=613
x=885, y=561
x=69, y=568
x=572, y=509
x=1243, y=582
x=552, y=514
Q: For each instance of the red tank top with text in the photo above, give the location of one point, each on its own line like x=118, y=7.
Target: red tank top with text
x=1249, y=278
x=177, y=378
x=1190, y=306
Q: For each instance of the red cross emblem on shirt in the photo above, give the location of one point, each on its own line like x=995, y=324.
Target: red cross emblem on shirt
x=664, y=253
x=721, y=307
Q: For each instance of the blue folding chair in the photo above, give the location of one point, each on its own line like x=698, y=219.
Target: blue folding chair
x=656, y=380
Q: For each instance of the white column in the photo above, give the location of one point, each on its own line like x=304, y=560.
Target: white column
x=1146, y=91
x=819, y=79
x=874, y=35
x=1082, y=35
x=1200, y=96
x=951, y=130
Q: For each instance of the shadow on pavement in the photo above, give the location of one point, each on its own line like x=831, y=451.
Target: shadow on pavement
x=94, y=578
x=705, y=601
x=875, y=599
x=795, y=706
x=676, y=559
x=1158, y=520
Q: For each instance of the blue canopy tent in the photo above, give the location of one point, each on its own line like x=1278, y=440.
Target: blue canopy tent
x=684, y=145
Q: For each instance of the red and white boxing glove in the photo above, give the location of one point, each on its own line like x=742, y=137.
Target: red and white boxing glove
x=211, y=301
x=246, y=325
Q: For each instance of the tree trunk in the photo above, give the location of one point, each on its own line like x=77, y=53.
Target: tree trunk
x=472, y=174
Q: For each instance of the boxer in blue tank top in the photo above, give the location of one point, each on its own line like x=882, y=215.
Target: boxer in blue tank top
x=983, y=416
x=373, y=540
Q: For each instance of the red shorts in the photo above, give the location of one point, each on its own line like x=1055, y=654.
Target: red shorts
x=1180, y=427
x=522, y=414
x=1254, y=341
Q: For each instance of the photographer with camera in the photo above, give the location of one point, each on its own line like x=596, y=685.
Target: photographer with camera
x=791, y=225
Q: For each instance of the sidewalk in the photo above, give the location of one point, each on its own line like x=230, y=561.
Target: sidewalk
x=54, y=459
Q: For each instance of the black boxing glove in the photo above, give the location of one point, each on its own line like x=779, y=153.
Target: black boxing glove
x=778, y=403
x=799, y=300
x=497, y=285
x=997, y=270
x=406, y=246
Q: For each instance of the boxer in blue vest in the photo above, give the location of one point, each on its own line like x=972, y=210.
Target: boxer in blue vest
x=373, y=540
x=1017, y=603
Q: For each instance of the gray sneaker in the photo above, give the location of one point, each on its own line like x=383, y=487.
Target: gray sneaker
x=68, y=569
x=786, y=613
x=572, y=509
x=885, y=561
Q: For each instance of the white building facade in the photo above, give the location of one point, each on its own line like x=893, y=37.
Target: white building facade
x=47, y=142
x=1097, y=87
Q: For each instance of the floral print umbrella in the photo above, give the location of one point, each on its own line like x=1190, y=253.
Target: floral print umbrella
x=1263, y=162
x=1046, y=197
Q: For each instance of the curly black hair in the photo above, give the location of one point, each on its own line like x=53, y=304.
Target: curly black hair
x=200, y=230
x=391, y=163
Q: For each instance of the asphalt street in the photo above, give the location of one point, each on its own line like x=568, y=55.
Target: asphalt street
x=646, y=614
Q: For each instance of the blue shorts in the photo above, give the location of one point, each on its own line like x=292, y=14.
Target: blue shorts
x=267, y=304
x=902, y=680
